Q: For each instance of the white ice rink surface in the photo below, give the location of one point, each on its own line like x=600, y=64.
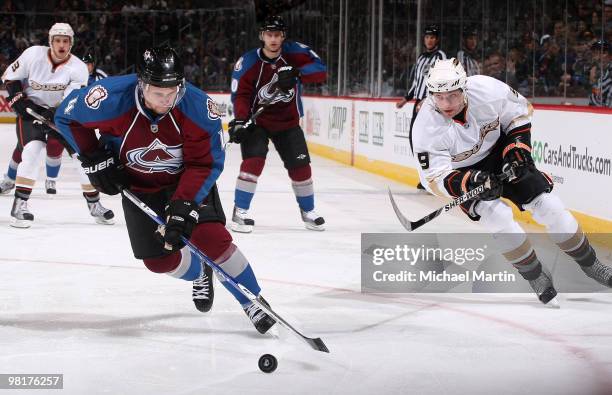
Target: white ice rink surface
x=74, y=300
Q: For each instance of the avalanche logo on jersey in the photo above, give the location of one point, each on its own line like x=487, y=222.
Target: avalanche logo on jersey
x=96, y=96
x=156, y=158
x=214, y=112
x=266, y=93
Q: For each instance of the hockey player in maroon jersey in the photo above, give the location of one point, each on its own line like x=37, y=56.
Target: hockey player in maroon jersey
x=162, y=137
x=273, y=74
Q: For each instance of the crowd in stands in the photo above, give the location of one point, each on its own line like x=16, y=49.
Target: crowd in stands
x=561, y=51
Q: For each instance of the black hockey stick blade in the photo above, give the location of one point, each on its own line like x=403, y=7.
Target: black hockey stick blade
x=406, y=223
x=317, y=344
x=403, y=220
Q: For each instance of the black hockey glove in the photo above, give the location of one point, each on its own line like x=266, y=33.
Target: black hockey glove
x=181, y=217
x=238, y=131
x=104, y=172
x=20, y=103
x=517, y=155
x=287, y=78
x=493, y=187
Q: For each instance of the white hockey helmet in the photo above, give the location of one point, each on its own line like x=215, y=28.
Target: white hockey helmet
x=446, y=75
x=61, y=29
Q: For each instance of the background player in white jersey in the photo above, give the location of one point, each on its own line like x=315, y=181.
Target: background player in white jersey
x=38, y=80
x=468, y=131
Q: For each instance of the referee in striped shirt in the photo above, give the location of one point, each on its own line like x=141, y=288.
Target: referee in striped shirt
x=601, y=75
x=467, y=55
x=418, y=89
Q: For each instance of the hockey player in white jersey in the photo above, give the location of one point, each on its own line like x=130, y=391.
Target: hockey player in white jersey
x=468, y=131
x=38, y=80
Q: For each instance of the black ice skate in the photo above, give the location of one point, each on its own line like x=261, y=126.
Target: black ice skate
x=6, y=185
x=203, y=293
x=544, y=288
x=262, y=321
x=241, y=222
x=22, y=217
x=50, y=187
x=102, y=215
x=312, y=220
x=599, y=272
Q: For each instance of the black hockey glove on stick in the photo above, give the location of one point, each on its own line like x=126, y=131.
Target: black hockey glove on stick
x=181, y=217
x=239, y=129
x=104, y=171
x=517, y=155
x=287, y=78
x=472, y=194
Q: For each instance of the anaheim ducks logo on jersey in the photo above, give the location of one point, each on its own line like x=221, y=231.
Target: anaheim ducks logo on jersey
x=484, y=130
x=267, y=92
x=156, y=158
x=46, y=87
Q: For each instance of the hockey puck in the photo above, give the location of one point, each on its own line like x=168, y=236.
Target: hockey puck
x=267, y=363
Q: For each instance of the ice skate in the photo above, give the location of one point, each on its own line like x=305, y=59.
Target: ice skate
x=599, y=272
x=6, y=185
x=203, y=293
x=240, y=221
x=50, y=187
x=260, y=319
x=312, y=220
x=102, y=215
x=22, y=217
x=544, y=288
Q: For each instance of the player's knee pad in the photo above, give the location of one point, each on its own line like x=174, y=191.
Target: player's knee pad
x=301, y=173
x=212, y=238
x=16, y=155
x=253, y=166
x=28, y=168
x=548, y=210
x=165, y=263
x=54, y=148
x=232, y=261
x=495, y=215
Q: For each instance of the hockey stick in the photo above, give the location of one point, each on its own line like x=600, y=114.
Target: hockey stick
x=315, y=343
x=410, y=226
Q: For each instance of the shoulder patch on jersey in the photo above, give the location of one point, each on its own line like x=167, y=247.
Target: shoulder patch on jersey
x=238, y=65
x=70, y=105
x=234, y=86
x=95, y=96
x=214, y=112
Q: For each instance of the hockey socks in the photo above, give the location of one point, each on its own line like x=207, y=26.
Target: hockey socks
x=236, y=265
x=246, y=184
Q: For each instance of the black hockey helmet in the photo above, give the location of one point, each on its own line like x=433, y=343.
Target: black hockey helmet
x=161, y=66
x=469, y=31
x=273, y=23
x=432, y=30
x=89, y=57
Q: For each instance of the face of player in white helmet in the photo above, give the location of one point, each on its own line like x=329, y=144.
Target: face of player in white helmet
x=449, y=103
x=273, y=41
x=60, y=48
x=159, y=100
